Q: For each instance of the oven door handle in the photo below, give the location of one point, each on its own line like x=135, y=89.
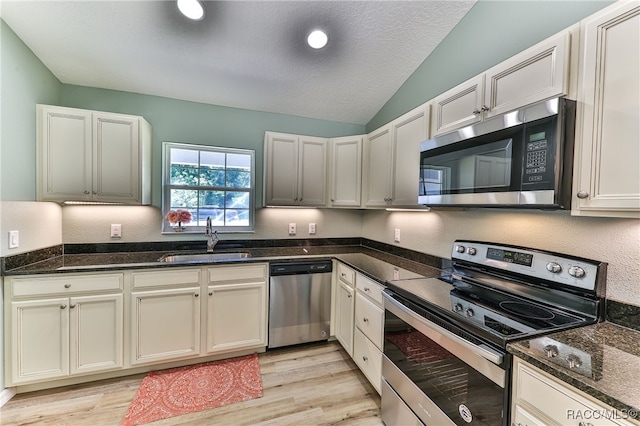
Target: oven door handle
x=484, y=352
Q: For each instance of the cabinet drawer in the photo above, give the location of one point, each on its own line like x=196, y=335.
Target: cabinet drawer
x=166, y=277
x=369, y=319
x=65, y=284
x=555, y=400
x=524, y=418
x=368, y=358
x=346, y=274
x=370, y=288
x=247, y=272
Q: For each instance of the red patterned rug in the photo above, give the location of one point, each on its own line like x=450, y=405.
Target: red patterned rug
x=176, y=391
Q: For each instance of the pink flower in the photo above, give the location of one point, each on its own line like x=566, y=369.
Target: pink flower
x=185, y=216
x=173, y=216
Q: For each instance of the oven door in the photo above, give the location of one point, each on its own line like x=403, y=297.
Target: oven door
x=443, y=374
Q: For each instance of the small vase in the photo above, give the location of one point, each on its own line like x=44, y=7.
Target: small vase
x=179, y=227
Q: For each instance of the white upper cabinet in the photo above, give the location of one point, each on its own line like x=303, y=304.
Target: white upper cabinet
x=459, y=107
x=92, y=156
x=409, y=131
x=295, y=170
x=392, y=160
x=378, y=161
x=345, y=174
x=538, y=73
x=607, y=158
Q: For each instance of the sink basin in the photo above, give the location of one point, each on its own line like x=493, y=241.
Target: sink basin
x=203, y=257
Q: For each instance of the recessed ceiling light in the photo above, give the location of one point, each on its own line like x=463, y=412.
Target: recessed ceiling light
x=192, y=9
x=317, y=39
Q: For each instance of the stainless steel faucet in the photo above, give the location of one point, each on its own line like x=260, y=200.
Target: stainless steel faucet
x=212, y=236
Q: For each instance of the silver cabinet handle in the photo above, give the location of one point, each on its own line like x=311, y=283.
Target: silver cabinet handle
x=476, y=112
x=366, y=289
x=73, y=305
x=365, y=319
x=196, y=295
x=365, y=359
x=582, y=195
x=86, y=193
x=485, y=108
x=349, y=296
x=67, y=285
x=210, y=293
x=63, y=306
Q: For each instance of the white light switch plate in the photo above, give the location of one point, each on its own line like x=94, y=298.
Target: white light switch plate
x=312, y=228
x=396, y=235
x=14, y=239
x=292, y=229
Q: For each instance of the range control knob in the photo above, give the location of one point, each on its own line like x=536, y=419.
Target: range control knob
x=469, y=312
x=471, y=251
x=554, y=267
x=551, y=351
x=460, y=249
x=574, y=361
x=457, y=307
x=577, y=272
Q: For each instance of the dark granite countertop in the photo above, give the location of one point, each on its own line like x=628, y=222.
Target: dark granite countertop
x=375, y=264
x=614, y=355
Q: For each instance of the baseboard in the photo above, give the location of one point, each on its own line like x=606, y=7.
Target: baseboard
x=6, y=395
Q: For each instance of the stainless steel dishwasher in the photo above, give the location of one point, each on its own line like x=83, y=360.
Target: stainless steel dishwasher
x=299, y=302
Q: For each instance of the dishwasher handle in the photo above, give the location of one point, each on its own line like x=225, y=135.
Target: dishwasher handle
x=305, y=267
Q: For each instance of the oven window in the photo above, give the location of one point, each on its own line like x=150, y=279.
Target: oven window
x=456, y=388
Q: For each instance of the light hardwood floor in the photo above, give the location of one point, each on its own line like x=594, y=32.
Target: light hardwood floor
x=310, y=385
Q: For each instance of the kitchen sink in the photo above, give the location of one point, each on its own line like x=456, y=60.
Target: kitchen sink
x=203, y=257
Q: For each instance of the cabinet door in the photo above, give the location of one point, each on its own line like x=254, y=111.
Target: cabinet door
x=459, y=107
x=607, y=163
x=39, y=340
x=540, y=72
x=312, y=174
x=236, y=317
x=344, y=316
x=165, y=325
x=379, y=166
x=116, y=159
x=408, y=131
x=346, y=172
x=96, y=333
x=64, y=153
x=281, y=169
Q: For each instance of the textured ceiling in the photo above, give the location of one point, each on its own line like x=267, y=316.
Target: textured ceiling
x=244, y=54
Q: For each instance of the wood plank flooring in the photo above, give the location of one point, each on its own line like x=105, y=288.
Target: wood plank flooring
x=316, y=384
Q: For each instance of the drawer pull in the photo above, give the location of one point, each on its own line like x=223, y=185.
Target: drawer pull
x=73, y=305
x=349, y=296
x=196, y=295
x=365, y=319
x=365, y=359
x=366, y=289
x=210, y=293
x=67, y=285
x=342, y=274
x=63, y=306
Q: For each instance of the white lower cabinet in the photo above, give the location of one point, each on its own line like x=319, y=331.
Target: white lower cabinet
x=237, y=308
x=369, y=329
x=344, y=306
x=541, y=399
x=54, y=331
x=165, y=324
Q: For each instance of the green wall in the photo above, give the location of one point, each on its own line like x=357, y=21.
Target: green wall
x=25, y=82
x=491, y=32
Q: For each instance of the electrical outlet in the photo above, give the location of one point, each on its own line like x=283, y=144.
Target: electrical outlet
x=312, y=228
x=116, y=230
x=396, y=235
x=292, y=229
x=396, y=273
x=14, y=239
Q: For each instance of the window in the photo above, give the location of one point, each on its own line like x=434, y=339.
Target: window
x=209, y=182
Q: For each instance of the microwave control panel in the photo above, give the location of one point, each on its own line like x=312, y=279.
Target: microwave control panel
x=538, y=157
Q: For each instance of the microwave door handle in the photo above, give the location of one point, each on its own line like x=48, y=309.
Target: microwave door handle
x=482, y=351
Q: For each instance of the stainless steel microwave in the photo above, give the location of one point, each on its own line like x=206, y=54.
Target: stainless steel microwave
x=522, y=159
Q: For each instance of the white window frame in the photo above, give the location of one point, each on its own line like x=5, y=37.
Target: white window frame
x=168, y=228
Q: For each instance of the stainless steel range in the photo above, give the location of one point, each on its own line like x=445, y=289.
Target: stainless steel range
x=445, y=360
